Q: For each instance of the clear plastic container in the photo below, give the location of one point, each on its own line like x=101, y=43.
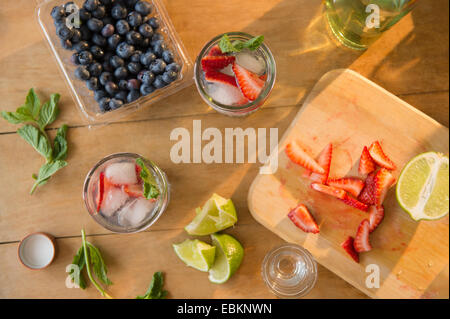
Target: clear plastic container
x=83, y=97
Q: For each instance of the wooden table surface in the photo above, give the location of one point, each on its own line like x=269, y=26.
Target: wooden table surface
x=410, y=60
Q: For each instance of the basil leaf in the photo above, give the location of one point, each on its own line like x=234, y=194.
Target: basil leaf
x=36, y=139
x=32, y=104
x=79, y=261
x=98, y=264
x=155, y=290
x=60, y=144
x=254, y=43
x=49, y=111
x=150, y=186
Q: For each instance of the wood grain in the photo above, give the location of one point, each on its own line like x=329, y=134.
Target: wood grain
x=350, y=112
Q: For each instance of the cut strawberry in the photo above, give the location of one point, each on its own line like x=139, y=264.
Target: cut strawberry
x=134, y=190
x=303, y=219
x=350, y=184
x=249, y=83
x=100, y=191
x=323, y=160
x=383, y=181
x=355, y=203
x=361, y=243
x=377, y=154
x=376, y=216
x=215, y=51
x=332, y=191
x=263, y=77
x=366, y=164
x=348, y=247
x=219, y=77
x=300, y=157
x=138, y=173
x=367, y=195
x=216, y=62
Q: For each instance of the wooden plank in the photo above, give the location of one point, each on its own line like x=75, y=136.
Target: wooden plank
x=405, y=60
x=350, y=111
x=132, y=260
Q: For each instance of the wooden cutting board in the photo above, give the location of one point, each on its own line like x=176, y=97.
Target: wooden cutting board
x=350, y=111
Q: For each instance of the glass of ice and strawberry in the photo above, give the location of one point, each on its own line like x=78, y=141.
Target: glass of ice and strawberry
x=235, y=73
x=126, y=193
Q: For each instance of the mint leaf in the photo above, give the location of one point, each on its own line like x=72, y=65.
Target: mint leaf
x=36, y=139
x=150, y=186
x=155, y=290
x=98, y=264
x=46, y=171
x=49, y=111
x=79, y=261
x=254, y=43
x=16, y=118
x=226, y=46
x=32, y=104
x=60, y=144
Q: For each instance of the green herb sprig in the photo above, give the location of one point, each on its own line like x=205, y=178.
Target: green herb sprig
x=155, y=290
x=226, y=46
x=37, y=117
x=150, y=187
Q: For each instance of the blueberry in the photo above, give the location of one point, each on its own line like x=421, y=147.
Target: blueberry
x=74, y=59
x=84, y=14
x=121, y=72
x=134, y=68
x=134, y=19
x=123, y=85
x=167, y=56
x=146, y=89
x=154, y=22
x=132, y=96
x=130, y=3
x=97, y=52
x=105, y=78
x=100, y=12
x=116, y=62
x=124, y=50
x=108, y=30
x=82, y=73
x=81, y=46
x=133, y=37
x=145, y=43
x=114, y=40
x=147, y=58
x=157, y=66
x=147, y=77
x=86, y=34
x=104, y=104
x=157, y=37
x=115, y=104
x=143, y=7
x=159, y=83
x=66, y=44
x=136, y=56
x=95, y=24
x=60, y=22
x=99, y=94
x=169, y=76
x=98, y=40
x=133, y=84
x=118, y=12
x=159, y=47
x=91, y=5
x=174, y=67
x=93, y=84
x=64, y=32
x=122, y=27
x=58, y=12
x=85, y=57
x=76, y=36
x=146, y=30
x=121, y=95
x=95, y=69
x=140, y=75
x=111, y=88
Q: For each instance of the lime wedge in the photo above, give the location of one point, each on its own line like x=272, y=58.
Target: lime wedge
x=229, y=256
x=217, y=214
x=423, y=186
x=196, y=254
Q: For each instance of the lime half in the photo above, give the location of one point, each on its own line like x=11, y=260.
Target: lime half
x=423, y=186
x=217, y=214
x=229, y=256
x=196, y=254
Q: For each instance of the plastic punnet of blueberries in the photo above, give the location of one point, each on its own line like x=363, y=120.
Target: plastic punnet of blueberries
x=119, y=50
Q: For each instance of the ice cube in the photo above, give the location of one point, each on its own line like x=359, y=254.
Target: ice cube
x=228, y=70
x=134, y=213
x=226, y=94
x=251, y=62
x=121, y=173
x=114, y=198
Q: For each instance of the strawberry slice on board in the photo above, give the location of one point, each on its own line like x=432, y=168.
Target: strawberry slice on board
x=216, y=62
x=366, y=164
x=219, y=77
x=350, y=184
x=383, y=181
x=348, y=246
x=362, y=243
x=332, y=191
x=249, y=83
x=100, y=191
x=379, y=157
x=367, y=195
x=297, y=155
x=303, y=219
x=376, y=216
x=323, y=160
x=355, y=203
x=215, y=51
